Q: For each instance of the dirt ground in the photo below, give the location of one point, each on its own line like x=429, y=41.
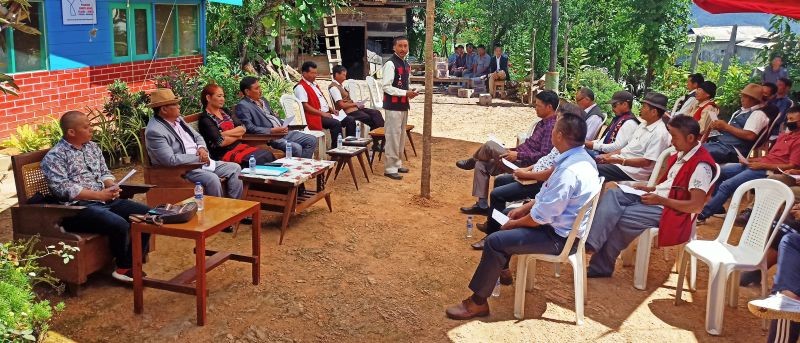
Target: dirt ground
x=384, y=265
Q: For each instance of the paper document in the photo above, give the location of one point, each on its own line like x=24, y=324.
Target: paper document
x=631, y=190
x=340, y=115
x=211, y=166
x=288, y=121
x=493, y=138
x=796, y=177
x=130, y=173
x=510, y=164
x=739, y=154
x=499, y=217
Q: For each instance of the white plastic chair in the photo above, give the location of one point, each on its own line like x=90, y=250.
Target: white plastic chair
x=577, y=260
x=723, y=258
x=352, y=87
x=645, y=244
x=375, y=93
x=292, y=106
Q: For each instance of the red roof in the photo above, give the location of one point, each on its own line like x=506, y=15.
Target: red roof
x=786, y=8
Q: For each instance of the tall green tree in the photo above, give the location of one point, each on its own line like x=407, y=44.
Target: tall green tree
x=256, y=28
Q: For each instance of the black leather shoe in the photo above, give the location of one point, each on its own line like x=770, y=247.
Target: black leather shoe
x=247, y=221
x=475, y=209
x=479, y=244
x=393, y=176
x=402, y=170
x=228, y=229
x=468, y=164
x=481, y=227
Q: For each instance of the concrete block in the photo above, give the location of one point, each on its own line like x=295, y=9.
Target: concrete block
x=485, y=99
x=453, y=90
x=465, y=93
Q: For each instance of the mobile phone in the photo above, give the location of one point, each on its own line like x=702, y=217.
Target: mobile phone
x=273, y=164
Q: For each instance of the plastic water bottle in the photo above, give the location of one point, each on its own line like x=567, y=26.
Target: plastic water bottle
x=288, y=150
x=339, y=141
x=358, y=131
x=496, y=290
x=198, y=195
x=469, y=226
x=252, y=163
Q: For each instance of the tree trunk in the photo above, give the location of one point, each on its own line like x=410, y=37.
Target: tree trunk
x=648, y=77
x=617, y=68
x=425, y=183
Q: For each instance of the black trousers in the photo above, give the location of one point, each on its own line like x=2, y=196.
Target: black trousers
x=110, y=219
x=335, y=127
x=612, y=173
x=368, y=116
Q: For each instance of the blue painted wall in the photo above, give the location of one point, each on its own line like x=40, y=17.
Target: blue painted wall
x=69, y=46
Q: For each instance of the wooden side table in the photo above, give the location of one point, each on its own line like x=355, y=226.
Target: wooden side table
x=344, y=155
x=217, y=214
x=283, y=194
x=363, y=142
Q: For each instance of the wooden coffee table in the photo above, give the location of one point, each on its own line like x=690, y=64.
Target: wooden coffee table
x=282, y=194
x=217, y=214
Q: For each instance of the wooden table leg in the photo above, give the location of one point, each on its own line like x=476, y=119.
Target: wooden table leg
x=352, y=172
x=340, y=161
x=364, y=169
x=287, y=211
x=200, y=281
x=138, y=283
x=256, y=241
x=411, y=140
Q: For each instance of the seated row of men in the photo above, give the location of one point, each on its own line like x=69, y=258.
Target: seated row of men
x=479, y=66
x=76, y=171
x=559, y=188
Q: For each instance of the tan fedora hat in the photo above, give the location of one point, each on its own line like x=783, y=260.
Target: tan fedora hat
x=752, y=90
x=163, y=97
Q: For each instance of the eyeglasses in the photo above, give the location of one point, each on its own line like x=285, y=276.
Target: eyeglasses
x=579, y=99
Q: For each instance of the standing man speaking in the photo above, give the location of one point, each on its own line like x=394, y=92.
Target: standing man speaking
x=396, y=96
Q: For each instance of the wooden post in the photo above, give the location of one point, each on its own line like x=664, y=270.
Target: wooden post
x=729, y=52
x=566, y=52
x=698, y=41
x=533, y=64
x=425, y=182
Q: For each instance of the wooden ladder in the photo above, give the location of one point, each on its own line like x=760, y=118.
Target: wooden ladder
x=331, y=31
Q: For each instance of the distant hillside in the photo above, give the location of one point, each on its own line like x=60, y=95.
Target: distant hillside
x=704, y=18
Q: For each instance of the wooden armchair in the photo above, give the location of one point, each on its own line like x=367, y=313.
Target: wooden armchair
x=44, y=220
x=171, y=183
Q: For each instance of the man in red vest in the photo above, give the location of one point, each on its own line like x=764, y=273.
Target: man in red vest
x=621, y=216
x=396, y=96
x=319, y=114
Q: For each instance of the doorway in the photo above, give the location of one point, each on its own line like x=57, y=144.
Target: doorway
x=354, y=51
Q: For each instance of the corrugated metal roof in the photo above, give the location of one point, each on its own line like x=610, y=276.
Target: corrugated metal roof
x=723, y=33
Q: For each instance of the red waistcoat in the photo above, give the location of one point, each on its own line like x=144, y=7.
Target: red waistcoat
x=314, y=121
x=675, y=227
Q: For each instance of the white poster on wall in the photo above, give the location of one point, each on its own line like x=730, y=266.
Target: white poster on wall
x=79, y=12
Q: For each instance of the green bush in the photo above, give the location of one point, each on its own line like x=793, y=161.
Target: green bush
x=185, y=86
x=23, y=317
x=598, y=80
x=32, y=138
x=116, y=129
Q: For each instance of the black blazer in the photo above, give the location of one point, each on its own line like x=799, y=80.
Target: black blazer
x=503, y=65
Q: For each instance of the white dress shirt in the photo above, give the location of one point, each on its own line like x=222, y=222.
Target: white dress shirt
x=648, y=142
x=623, y=136
x=300, y=94
x=700, y=179
x=593, y=124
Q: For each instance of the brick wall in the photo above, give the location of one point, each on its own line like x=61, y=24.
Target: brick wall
x=45, y=93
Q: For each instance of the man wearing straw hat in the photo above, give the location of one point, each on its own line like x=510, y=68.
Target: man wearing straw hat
x=171, y=142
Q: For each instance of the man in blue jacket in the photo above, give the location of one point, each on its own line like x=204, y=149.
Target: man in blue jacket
x=498, y=68
x=258, y=118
